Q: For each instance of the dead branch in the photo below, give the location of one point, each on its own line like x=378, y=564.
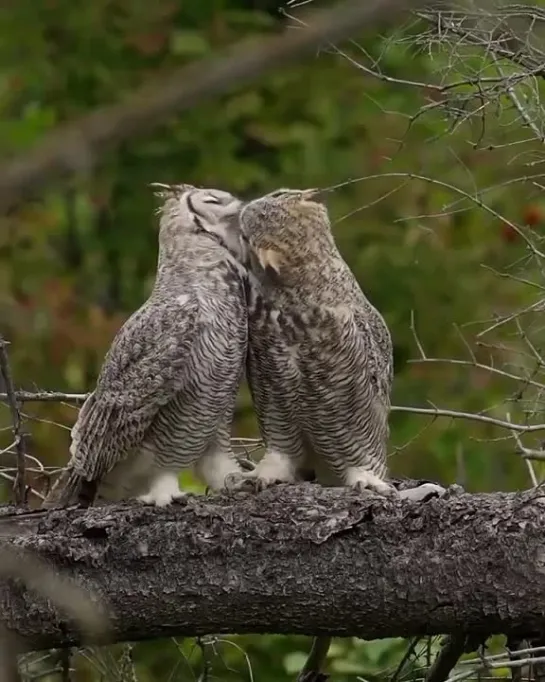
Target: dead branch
x=18, y=436
x=46, y=397
x=452, y=649
x=289, y=560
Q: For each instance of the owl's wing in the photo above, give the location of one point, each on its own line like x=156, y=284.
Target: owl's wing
x=379, y=349
x=147, y=364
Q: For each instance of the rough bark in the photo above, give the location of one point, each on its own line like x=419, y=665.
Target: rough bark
x=292, y=559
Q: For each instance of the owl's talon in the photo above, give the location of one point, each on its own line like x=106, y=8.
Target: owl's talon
x=248, y=482
x=234, y=481
x=381, y=488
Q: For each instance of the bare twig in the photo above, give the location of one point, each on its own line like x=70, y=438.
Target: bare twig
x=494, y=665
x=473, y=198
x=18, y=436
x=415, y=336
x=528, y=120
x=66, y=656
x=478, y=365
x=406, y=656
x=46, y=397
x=452, y=649
x=312, y=669
x=440, y=412
x=527, y=453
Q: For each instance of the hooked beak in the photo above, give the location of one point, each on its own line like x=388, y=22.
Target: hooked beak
x=269, y=258
x=170, y=188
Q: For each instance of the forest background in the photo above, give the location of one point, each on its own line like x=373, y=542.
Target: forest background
x=438, y=201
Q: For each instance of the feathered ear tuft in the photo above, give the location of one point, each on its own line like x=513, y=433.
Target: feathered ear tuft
x=163, y=190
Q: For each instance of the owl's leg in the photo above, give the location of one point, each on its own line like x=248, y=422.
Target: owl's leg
x=275, y=467
x=366, y=481
x=163, y=490
x=215, y=466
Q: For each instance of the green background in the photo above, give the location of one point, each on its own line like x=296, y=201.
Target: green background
x=76, y=263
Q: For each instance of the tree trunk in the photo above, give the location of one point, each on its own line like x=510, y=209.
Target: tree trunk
x=292, y=559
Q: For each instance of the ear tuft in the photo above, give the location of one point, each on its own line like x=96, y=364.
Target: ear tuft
x=163, y=191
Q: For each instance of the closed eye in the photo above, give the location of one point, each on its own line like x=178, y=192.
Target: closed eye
x=211, y=200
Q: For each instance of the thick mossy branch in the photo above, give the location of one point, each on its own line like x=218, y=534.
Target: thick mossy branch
x=292, y=559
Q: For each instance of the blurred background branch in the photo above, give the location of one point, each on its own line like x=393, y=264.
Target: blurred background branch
x=77, y=147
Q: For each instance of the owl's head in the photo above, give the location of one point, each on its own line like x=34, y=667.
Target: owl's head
x=191, y=210
x=285, y=226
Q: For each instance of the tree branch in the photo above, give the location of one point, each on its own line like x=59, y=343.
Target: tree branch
x=77, y=146
x=293, y=559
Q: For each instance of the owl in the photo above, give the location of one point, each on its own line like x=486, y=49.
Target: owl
x=165, y=396
x=320, y=359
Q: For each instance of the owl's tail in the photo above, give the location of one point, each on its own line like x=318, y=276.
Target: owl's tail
x=70, y=488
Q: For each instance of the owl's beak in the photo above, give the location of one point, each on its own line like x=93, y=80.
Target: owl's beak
x=184, y=188
x=171, y=188
x=269, y=258
x=160, y=189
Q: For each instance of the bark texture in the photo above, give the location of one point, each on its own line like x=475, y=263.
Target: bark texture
x=292, y=559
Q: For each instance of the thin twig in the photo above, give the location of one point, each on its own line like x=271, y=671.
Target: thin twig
x=458, y=190
x=527, y=453
x=439, y=412
x=518, y=663
x=412, y=327
x=478, y=365
x=446, y=659
x=406, y=656
x=18, y=436
x=66, y=656
x=46, y=397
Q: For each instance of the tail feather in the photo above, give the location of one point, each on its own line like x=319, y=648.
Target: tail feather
x=70, y=488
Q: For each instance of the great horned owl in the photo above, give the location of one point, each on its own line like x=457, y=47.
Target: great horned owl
x=166, y=393
x=320, y=361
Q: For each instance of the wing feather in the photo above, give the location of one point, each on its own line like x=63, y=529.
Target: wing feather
x=142, y=371
x=379, y=343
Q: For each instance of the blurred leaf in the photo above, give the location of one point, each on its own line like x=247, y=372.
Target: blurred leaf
x=188, y=44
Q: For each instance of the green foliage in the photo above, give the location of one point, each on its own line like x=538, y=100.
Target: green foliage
x=73, y=266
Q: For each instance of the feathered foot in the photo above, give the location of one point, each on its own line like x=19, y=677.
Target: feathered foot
x=275, y=467
x=367, y=483
x=163, y=490
x=248, y=481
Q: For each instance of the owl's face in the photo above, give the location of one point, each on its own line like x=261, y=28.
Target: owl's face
x=199, y=208
x=281, y=223
x=192, y=210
